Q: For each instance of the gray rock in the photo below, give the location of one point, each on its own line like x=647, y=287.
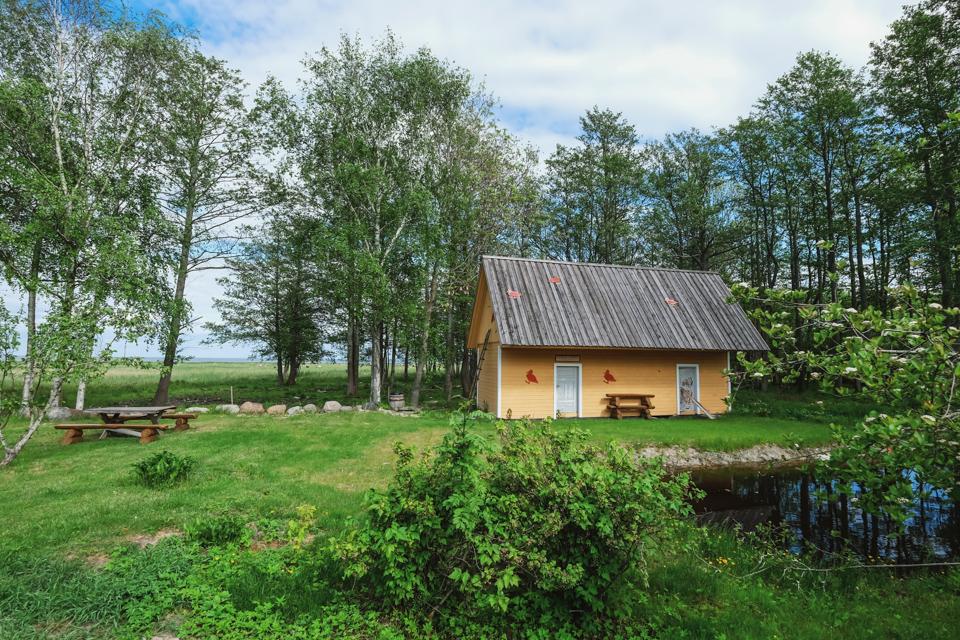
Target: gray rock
x=59, y=413
x=227, y=408
x=254, y=408
x=294, y=411
x=196, y=410
x=346, y=407
x=310, y=408
x=332, y=405
x=277, y=410
x=676, y=457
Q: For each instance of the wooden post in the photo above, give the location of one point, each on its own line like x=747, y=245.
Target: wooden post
x=72, y=436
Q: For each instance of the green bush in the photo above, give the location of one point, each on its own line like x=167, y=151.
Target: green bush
x=539, y=531
x=218, y=530
x=163, y=469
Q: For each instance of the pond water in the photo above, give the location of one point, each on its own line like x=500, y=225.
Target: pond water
x=790, y=498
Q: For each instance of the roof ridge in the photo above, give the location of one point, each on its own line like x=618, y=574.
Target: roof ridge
x=597, y=264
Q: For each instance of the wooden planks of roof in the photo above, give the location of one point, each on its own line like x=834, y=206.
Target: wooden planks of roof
x=549, y=303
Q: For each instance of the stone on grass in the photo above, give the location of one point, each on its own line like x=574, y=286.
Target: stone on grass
x=227, y=408
x=254, y=408
x=332, y=405
x=59, y=413
x=196, y=410
x=294, y=411
x=310, y=408
x=277, y=410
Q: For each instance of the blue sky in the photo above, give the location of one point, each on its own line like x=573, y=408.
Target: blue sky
x=666, y=65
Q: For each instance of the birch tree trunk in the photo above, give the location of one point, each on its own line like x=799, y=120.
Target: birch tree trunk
x=36, y=419
x=31, y=321
x=162, y=395
x=376, y=349
x=81, y=395
x=424, y=348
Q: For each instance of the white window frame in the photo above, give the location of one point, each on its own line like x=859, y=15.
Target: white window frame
x=676, y=384
x=579, y=366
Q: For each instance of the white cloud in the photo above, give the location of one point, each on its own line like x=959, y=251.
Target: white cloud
x=665, y=65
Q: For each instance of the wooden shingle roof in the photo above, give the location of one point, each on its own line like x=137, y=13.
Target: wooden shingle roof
x=571, y=304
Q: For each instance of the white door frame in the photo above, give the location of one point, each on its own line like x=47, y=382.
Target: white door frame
x=676, y=383
x=579, y=367
x=499, y=379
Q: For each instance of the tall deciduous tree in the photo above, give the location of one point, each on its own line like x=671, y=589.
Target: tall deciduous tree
x=689, y=222
x=916, y=73
x=206, y=146
x=819, y=105
x=368, y=114
x=593, y=195
x=92, y=80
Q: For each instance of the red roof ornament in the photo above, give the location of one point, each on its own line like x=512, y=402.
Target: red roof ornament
x=671, y=302
x=513, y=294
x=554, y=279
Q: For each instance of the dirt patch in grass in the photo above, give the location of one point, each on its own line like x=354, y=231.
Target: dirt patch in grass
x=93, y=560
x=373, y=468
x=143, y=540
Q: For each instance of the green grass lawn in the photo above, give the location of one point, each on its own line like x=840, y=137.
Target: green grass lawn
x=66, y=509
x=83, y=496
x=726, y=433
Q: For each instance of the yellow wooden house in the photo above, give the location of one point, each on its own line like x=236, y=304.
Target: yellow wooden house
x=563, y=338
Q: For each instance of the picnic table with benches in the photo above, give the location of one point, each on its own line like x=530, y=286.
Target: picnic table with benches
x=621, y=404
x=117, y=420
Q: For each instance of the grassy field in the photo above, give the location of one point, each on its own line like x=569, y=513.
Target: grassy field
x=83, y=496
x=67, y=510
x=209, y=383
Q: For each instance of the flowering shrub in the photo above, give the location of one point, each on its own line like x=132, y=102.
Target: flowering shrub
x=905, y=361
x=540, y=530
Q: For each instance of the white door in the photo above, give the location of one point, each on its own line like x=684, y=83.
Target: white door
x=566, y=389
x=688, y=388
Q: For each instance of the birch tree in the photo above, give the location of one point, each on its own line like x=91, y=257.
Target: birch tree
x=205, y=146
x=368, y=112
x=93, y=77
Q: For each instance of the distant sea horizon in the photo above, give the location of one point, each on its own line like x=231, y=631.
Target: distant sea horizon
x=214, y=359
x=222, y=359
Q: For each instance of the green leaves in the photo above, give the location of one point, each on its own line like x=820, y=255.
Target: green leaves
x=528, y=530
x=906, y=361
x=163, y=469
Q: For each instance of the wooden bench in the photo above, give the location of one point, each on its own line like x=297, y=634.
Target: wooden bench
x=621, y=404
x=148, y=432
x=182, y=420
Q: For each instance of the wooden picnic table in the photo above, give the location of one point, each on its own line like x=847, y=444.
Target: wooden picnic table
x=624, y=403
x=123, y=415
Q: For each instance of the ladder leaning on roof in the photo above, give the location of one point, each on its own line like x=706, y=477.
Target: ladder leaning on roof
x=475, y=379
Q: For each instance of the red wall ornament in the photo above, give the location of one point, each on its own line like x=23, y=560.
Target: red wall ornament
x=608, y=377
x=531, y=378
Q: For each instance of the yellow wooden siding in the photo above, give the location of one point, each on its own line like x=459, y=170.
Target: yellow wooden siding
x=487, y=387
x=482, y=319
x=653, y=372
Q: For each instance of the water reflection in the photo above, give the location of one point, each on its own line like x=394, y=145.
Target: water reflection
x=790, y=498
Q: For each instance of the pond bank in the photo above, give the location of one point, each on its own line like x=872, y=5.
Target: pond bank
x=683, y=458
